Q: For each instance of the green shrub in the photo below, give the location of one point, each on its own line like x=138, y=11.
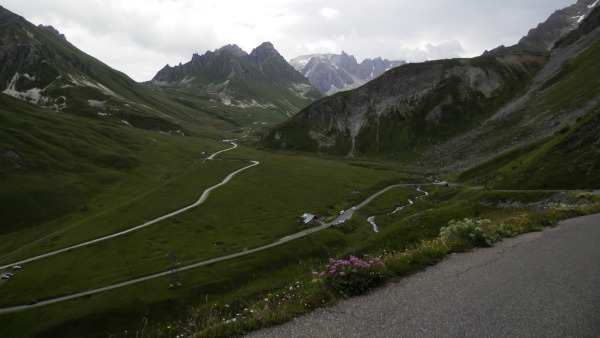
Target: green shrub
x=398, y=264
x=428, y=255
x=467, y=229
x=544, y=220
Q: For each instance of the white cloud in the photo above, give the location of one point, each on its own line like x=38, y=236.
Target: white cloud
x=328, y=12
x=139, y=37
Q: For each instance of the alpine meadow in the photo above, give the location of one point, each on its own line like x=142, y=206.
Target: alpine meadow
x=230, y=193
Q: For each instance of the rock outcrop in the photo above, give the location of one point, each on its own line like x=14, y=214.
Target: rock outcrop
x=408, y=107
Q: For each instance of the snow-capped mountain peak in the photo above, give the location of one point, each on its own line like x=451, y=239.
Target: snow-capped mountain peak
x=332, y=73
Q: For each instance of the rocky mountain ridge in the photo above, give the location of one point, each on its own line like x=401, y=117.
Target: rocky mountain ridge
x=229, y=61
x=53, y=30
x=332, y=73
x=38, y=65
x=261, y=80
x=454, y=114
x=409, y=107
x=546, y=34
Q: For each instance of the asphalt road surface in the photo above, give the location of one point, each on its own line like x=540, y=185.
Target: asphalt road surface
x=541, y=284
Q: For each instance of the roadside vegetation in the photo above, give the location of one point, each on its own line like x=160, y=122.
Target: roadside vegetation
x=335, y=279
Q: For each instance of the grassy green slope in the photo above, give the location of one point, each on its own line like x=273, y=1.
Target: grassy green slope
x=241, y=112
x=568, y=159
x=232, y=89
x=54, y=164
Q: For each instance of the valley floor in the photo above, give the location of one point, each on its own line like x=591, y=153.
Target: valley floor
x=342, y=218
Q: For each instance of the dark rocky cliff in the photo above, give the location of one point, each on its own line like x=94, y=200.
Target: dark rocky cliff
x=408, y=107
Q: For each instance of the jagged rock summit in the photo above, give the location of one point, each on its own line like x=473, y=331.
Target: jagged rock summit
x=262, y=79
x=264, y=52
x=233, y=49
x=228, y=61
x=53, y=30
x=336, y=72
x=543, y=37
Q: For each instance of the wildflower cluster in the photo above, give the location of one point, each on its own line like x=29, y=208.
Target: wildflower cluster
x=293, y=299
x=276, y=307
x=516, y=225
x=467, y=229
x=352, y=276
x=424, y=254
x=436, y=248
x=178, y=331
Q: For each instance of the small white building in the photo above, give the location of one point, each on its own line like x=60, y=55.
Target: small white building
x=307, y=218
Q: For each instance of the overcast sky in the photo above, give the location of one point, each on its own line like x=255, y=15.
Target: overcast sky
x=138, y=37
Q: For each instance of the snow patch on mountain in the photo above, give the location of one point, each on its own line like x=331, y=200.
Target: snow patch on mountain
x=95, y=103
x=31, y=95
x=301, y=88
x=82, y=81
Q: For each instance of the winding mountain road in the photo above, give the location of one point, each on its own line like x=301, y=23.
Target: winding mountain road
x=347, y=215
x=201, y=200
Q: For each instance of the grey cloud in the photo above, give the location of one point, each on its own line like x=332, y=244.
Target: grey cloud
x=393, y=29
